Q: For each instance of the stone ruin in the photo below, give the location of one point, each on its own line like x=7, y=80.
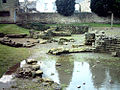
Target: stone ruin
x=103, y=43
x=10, y=42
x=65, y=30
x=81, y=29
x=31, y=70
x=107, y=44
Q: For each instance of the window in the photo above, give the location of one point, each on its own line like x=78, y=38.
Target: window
x=46, y=6
x=4, y=13
x=54, y=5
x=4, y=1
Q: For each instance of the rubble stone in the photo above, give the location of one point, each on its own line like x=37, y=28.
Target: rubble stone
x=104, y=43
x=30, y=61
x=58, y=51
x=24, y=73
x=39, y=73
x=89, y=38
x=16, y=35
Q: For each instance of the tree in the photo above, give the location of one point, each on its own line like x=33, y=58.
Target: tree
x=65, y=7
x=100, y=7
x=116, y=8
x=105, y=7
x=28, y=6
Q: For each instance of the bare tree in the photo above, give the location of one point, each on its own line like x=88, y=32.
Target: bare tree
x=25, y=5
x=28, y=6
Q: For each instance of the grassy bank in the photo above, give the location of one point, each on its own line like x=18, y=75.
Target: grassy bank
x=10, y=55
x=87, y=24
x=12, y=29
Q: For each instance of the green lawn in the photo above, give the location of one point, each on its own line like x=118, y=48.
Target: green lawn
x=88, y=24
x=9, y=56
x=12, y=29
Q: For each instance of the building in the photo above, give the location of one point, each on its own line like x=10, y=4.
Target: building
x=50, y=6
x=8, y=10
x=85, y=6
x=46, y=6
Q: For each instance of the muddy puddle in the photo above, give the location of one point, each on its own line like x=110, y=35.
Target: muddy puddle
x=83, y=71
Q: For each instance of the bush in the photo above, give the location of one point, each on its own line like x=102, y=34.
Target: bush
x=105, y=7
x=35, y=26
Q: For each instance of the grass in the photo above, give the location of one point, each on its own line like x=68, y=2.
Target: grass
x=9, y=56
x=87, y=24
x=12, y=29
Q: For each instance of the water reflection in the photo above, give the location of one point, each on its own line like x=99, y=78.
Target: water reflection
x=49, y=70
x=115, y=75
x=66, y=69
x=98, y=73
x=81, y=77
x=81, y=70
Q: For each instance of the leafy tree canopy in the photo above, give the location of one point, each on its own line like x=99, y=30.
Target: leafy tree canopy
x=65, y=7
x=105, y=7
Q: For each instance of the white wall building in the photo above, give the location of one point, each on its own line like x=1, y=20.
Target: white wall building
x=46, y=5
x=50, y=6
x=85, y=6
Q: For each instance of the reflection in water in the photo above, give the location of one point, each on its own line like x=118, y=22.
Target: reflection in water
x=49, y=70
x=81, y=75
x=87, y=73
x=66, y=69
x=6, y=81
x=6, y=78
x=98, y=73
x=80, y=69
x=115, y=75
x=48, y=67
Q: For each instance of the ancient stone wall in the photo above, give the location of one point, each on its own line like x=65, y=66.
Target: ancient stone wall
x=57, y=18
x=8, y=19
x=107, y=44
x=103, y=43
x=10, y=6
x=73, y=29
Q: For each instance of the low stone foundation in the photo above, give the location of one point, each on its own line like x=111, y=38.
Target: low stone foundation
x=20, y=43
x=74, y=29
x=106, y=44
